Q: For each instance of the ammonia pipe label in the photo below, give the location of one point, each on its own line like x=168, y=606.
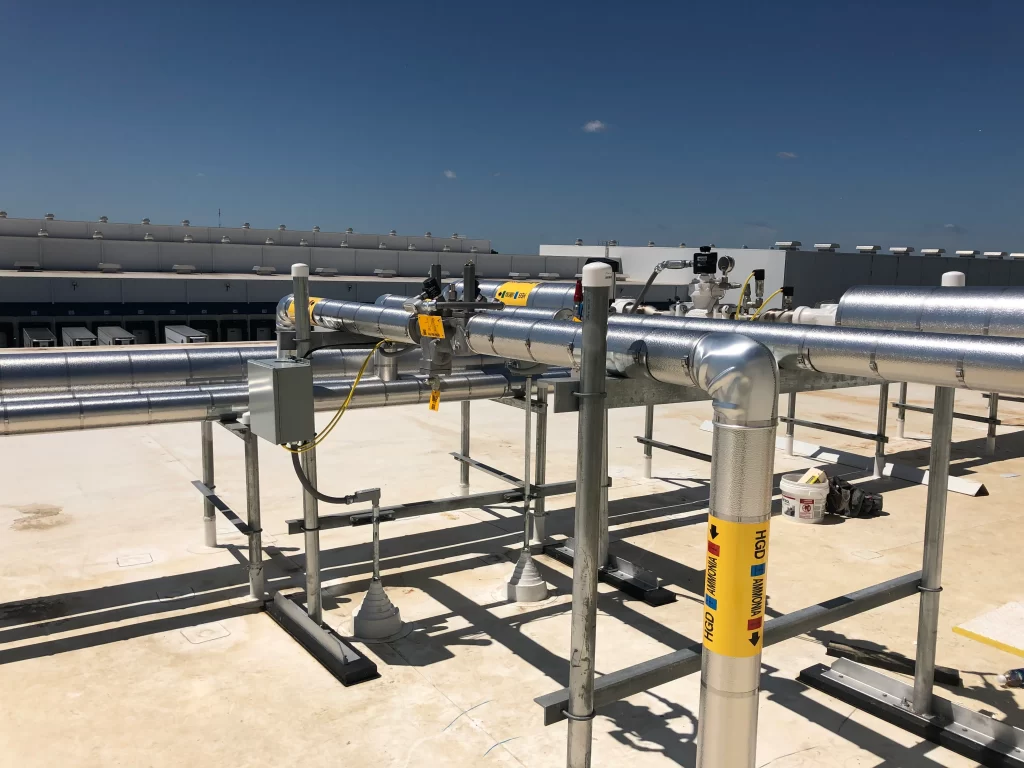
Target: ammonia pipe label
x=514, y=294
x=734, y=587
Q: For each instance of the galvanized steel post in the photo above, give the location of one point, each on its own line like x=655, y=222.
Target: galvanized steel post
x=883, y=411
x=648, y=435
x=252, y=505
x=597, y=283
x=602, y=547
x=541, y=467
x=209, y=514
x=993, y=412
x=790, y=426
x=901, y=412
x=464, y=448
x=526, y=585
x=934, y=538
x=311, y=529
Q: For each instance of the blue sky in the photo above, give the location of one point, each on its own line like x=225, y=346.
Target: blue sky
x=728, y=122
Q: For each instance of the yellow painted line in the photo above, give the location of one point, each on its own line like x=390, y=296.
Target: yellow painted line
x=989, y=641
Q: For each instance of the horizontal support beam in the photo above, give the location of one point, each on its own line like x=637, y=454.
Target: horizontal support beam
x=433, y=506
x=1008, y=398
x=832, y=428
x=224, y=509
x=488, y=469
x=664, y=669
x=964, y=416
x=674, y=449
x=517, y=402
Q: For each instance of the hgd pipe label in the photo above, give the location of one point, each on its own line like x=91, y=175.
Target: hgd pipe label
x=514, y=294
x=734, y=587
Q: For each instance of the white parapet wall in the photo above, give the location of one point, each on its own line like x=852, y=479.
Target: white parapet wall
x=638, y=262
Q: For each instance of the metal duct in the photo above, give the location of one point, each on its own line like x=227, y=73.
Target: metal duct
x=39, y=413
x=978, y=311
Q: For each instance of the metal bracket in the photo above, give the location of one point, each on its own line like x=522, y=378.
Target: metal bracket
x=631, y=579
x=321, y=338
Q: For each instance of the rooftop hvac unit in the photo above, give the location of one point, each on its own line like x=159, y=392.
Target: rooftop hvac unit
x=182, y=334
x=77, y=336
x=38, y=337
x=114, y=336
x=145, y=221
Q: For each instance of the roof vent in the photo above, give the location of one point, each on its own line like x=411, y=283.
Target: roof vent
x=43, y=233
x=788, y=245
x=188, y=238
x=932, y=251
x=316, y=229
x=184, y=269
x=455, y=235
x=650, y=243
x=967, y=254
x=349, y=231
x=326, y=271
x=1017, y=255
x=382, y=246
x=145, y=221
x=281, y=227
x=49, y=217
x=302, y=242
x=149, y=237
x=825, y=247
x=246, y=225
x=681, y=245
x=104, y=219
x=473, y=249
x=270, y=241
x=392, y=233
x=868, y=248
x=185, y=223
x=225, y=239
x=109, y=266
x=97, y=235
x=428, y=234
x=3, y=214
x=616, y=242
x=579, y=241
x=343, y=244
x=258, y=270
x=901, y=250
x=412, y=246
x=995, y=254
x=445, y=249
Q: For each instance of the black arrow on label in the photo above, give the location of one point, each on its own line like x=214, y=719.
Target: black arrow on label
x=754, y=638
x=714, y=531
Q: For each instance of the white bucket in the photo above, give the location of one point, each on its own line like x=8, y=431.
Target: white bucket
x=803, y=502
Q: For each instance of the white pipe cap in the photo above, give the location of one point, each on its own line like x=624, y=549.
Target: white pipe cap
x=300, y=270
x=597, y=275
x=954, y=279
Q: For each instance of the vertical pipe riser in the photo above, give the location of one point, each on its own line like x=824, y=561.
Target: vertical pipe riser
x=901, y=412
x=735, y=592
x=541, y=469
x=464, y=449
x=209, y=514
x=311, y=523
x=883, y=411
x=649, y=435
x=252, y=494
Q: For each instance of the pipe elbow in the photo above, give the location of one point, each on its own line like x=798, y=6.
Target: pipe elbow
x=741, y=376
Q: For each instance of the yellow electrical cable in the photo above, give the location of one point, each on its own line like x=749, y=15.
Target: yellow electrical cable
x=765, y=304
x=739, y=305
x=344, y=406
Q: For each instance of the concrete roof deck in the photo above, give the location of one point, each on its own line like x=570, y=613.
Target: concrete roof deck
x=124, y=641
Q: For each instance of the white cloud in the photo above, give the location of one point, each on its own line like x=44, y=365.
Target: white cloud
x=449, y=174
x=786, y=155
x=594, y=126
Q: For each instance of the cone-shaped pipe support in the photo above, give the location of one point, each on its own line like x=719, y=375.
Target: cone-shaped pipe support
x=526, y=584
x=376, y=617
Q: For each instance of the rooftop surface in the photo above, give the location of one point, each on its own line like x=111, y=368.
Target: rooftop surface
x=125, y=642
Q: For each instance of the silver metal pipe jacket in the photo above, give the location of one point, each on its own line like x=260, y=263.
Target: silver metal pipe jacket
x=56, y=372
x=356, y=317
x=981, y=311
x=944, y=360
x=198, y=403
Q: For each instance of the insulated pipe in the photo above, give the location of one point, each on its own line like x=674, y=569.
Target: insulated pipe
x=354, y=317
x=737, y=372
x=33, y=415
x=973, y=311
x=541, y=295
x=395, y=301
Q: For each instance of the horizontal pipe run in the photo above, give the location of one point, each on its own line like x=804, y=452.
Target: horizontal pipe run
x=227, y=401
x=963, y=416
x=649, y=674
x=970, y=311
x=832, y=428
x=433, y=506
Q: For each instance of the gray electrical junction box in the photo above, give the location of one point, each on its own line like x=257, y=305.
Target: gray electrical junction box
x=281, y=400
